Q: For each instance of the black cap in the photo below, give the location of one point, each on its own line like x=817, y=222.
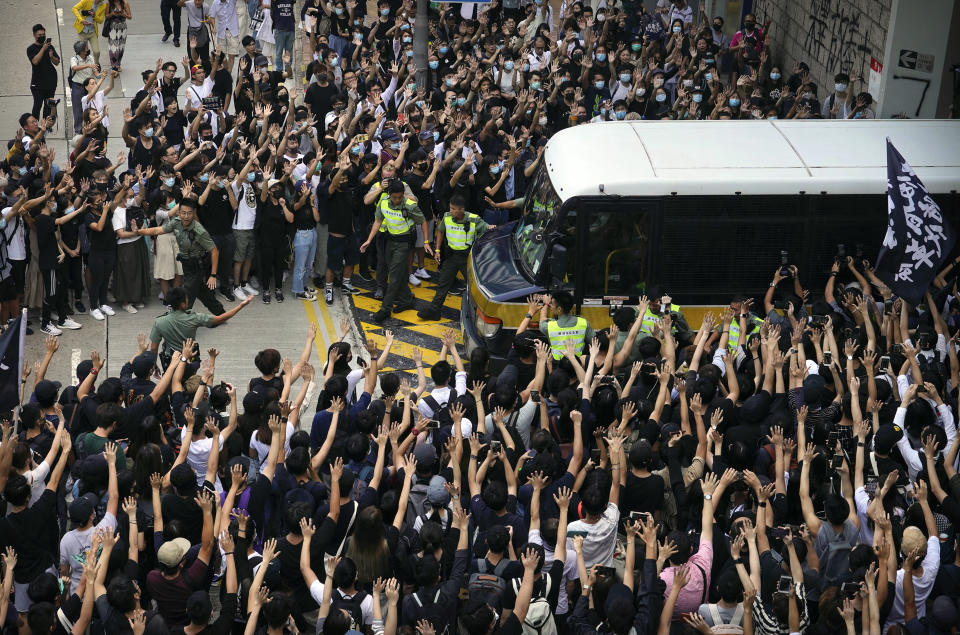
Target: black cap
x=144, y=363
x=82, y=508
x=887, y=437
x=46, y=391
x=83, y=369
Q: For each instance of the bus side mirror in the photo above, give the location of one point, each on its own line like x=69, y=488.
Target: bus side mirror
x=558, y=263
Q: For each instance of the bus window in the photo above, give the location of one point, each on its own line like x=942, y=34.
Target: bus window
x=539, y=214
x=616, y=246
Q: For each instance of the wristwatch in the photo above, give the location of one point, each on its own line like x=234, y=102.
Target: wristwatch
x=708, y=497
x=183, y=359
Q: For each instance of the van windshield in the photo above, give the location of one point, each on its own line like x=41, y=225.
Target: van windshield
x=539, y=214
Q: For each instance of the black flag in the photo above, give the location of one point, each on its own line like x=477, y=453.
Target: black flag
x=918, y=240
x=11, y=363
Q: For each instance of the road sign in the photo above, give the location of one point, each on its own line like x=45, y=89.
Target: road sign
x=915, y=61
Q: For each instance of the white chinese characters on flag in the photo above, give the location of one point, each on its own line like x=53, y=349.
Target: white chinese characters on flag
x=918, y=239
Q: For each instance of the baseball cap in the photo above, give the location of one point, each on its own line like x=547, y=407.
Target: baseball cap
x=437, y=494
x=272, y=182
x=887, y=437
x=172, y=552
x=260, y=60
x=389, y=134
x=426, y=455
x=329, y=118
x=144, y=363
x=46, y=391
x=82, y=508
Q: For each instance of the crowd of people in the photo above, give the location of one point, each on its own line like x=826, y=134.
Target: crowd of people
x=790, y=470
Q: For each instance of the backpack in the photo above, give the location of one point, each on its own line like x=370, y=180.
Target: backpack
x=351, y=605
x=441, y=411
x=539, y=619
x=488, y=584
x=720, y=628
x=835, y=562
x=417, y=501
x=433, y=612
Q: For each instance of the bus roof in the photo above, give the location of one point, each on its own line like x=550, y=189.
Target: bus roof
x=661, y=158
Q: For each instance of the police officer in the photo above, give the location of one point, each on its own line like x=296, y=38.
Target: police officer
x=565, y=327
x=461, y=230
x=180, y=323
x=399, y=215
x=660, y=305
x=198, y=254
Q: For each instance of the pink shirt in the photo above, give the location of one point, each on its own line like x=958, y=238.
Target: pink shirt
x=757, y=34
x=692, y=595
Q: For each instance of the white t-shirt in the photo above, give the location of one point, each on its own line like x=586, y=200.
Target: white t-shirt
x=263, y=449
x=569, y=568
x=15, y=236
x=195, y=94
x=76, y=542
x=601, y=539
x=922, y=586
x=97, y=102
x=246, y=214
x=199, y=454
x=120, y=222
x=366, y=607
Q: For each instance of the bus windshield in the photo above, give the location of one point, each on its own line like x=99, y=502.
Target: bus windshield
x=539, y=213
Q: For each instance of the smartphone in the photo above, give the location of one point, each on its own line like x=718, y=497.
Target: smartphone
x=841, y=254
x=778, y=532
x=573, y=533
x=849, y=589
x=884, y=363
x=49, y=40
x=785, y=584
x=827, y=358
x=433, y=424
x=595, y=456
x=641, y=516
x=535, y=396
x=921, y=388
x=836, y=461
x=781, y=305
x=495, y=447
x=606, y=572
x=870, y=486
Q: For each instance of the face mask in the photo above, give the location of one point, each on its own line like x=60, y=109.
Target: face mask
x=717, y=27
x=444, y=50
x=526, y=67
x=169, y=181
x=224, y=182
x=543, y=121
x=807, y=95
x=148, y=133
x=69, y=210
x=358, y=36
x=494, y=169
x=603, y=111
x=335, y=62
x=620, y=114
x=384, y=12
x=697, y=98
x=204, y=178
x=688, y=83
x=338, y=11
x=404, y=27
x=734, y=102
x=635, y=47
x=433, y=64
x=601, y=17
x=461, y=101
x=407, y=40
x=394, y=146
x=449, y=83
x=357, y=22
x=625, y=78
x=539, y=2
x=662, y=97
x=641, y=92
x=436, y=136
x=749, y=26
x=356, y=149
x=53, y=206
x=171, y=204
x=676, y=29
x=534, y=85
x=840, y=87
x=774, y=76
x=601, y=57
x=599, y=84
x=410, y=53
x=22, y=170
x=657, y=83
x=772, y=118
x=708, y=76
x=508, y=65
x=251, y=176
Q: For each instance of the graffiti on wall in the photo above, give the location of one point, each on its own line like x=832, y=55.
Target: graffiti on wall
x=835, y=37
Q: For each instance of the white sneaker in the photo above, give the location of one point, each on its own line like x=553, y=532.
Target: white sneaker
x=249, y=289
x=106, y=308
x=96, y=314
x=51, y=329
x=239, y=293
x=129, y=308
x=414, y=280
x=422, y=273
x=139, y=305
x=69, y=323
x=254, y=284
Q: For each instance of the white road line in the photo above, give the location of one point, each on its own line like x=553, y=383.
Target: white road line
x=75, y=358
x=60, y=16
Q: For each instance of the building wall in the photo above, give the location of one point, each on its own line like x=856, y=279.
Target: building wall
x=829, y=35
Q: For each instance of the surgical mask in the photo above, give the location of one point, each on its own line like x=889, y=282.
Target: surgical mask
x=407, y=39
x=251, y=176
x=840, y=87
x=806, y=95
x=404, y=27
x=599, y=84
x=436, y=136
x=734, y=102
x=410, y=53
x=384, y=12
x=449, y=83
x=171, y=204
x=444, y=50
x=335, y=61
x=494, y=169
x=676, y=29
x=338, y=11
x=543, y=121
x=169, y=181
x=708, y=76
x=22, y=170
x=635, y=46
x=620, y=114
x=394, y=146
x=224, y=183
x=625, y=78
x=697, y=98
x=69, y=210
x=356, y=149
x=539, y=2
x=204, y=178
x=508, y=65
x=461, y=101
x=771, y=118
x=148, y=133
x=534, y=85
x=601, y=17
x=526, y=67
x=53, y=206
x=433, y=64
x=601, y=57
x=603, y=111
x=641, y=92
x=661, y=97
x=774, y=76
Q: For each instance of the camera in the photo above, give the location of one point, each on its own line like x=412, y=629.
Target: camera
x=212, y=102
x=784, y=260
x=535, y=396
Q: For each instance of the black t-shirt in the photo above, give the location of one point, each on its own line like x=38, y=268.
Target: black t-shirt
x=44, y=74
x=340, y=209
x=187, y=512
x=46, y=228
x=319, y=98
x=641, y=494
x=222, y=83
x=34, y=549
x=303, y=217
x=143, y=157
x=105, y=240
x=169, y=91
x=216, y=215
x=424, y=197
x=271, y=223
x=173, y=128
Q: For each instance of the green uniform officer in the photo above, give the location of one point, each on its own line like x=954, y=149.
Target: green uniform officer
x=198, y=254
x=460, y=230
x=565, y=327
x=181, y=323
x=400, y=216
